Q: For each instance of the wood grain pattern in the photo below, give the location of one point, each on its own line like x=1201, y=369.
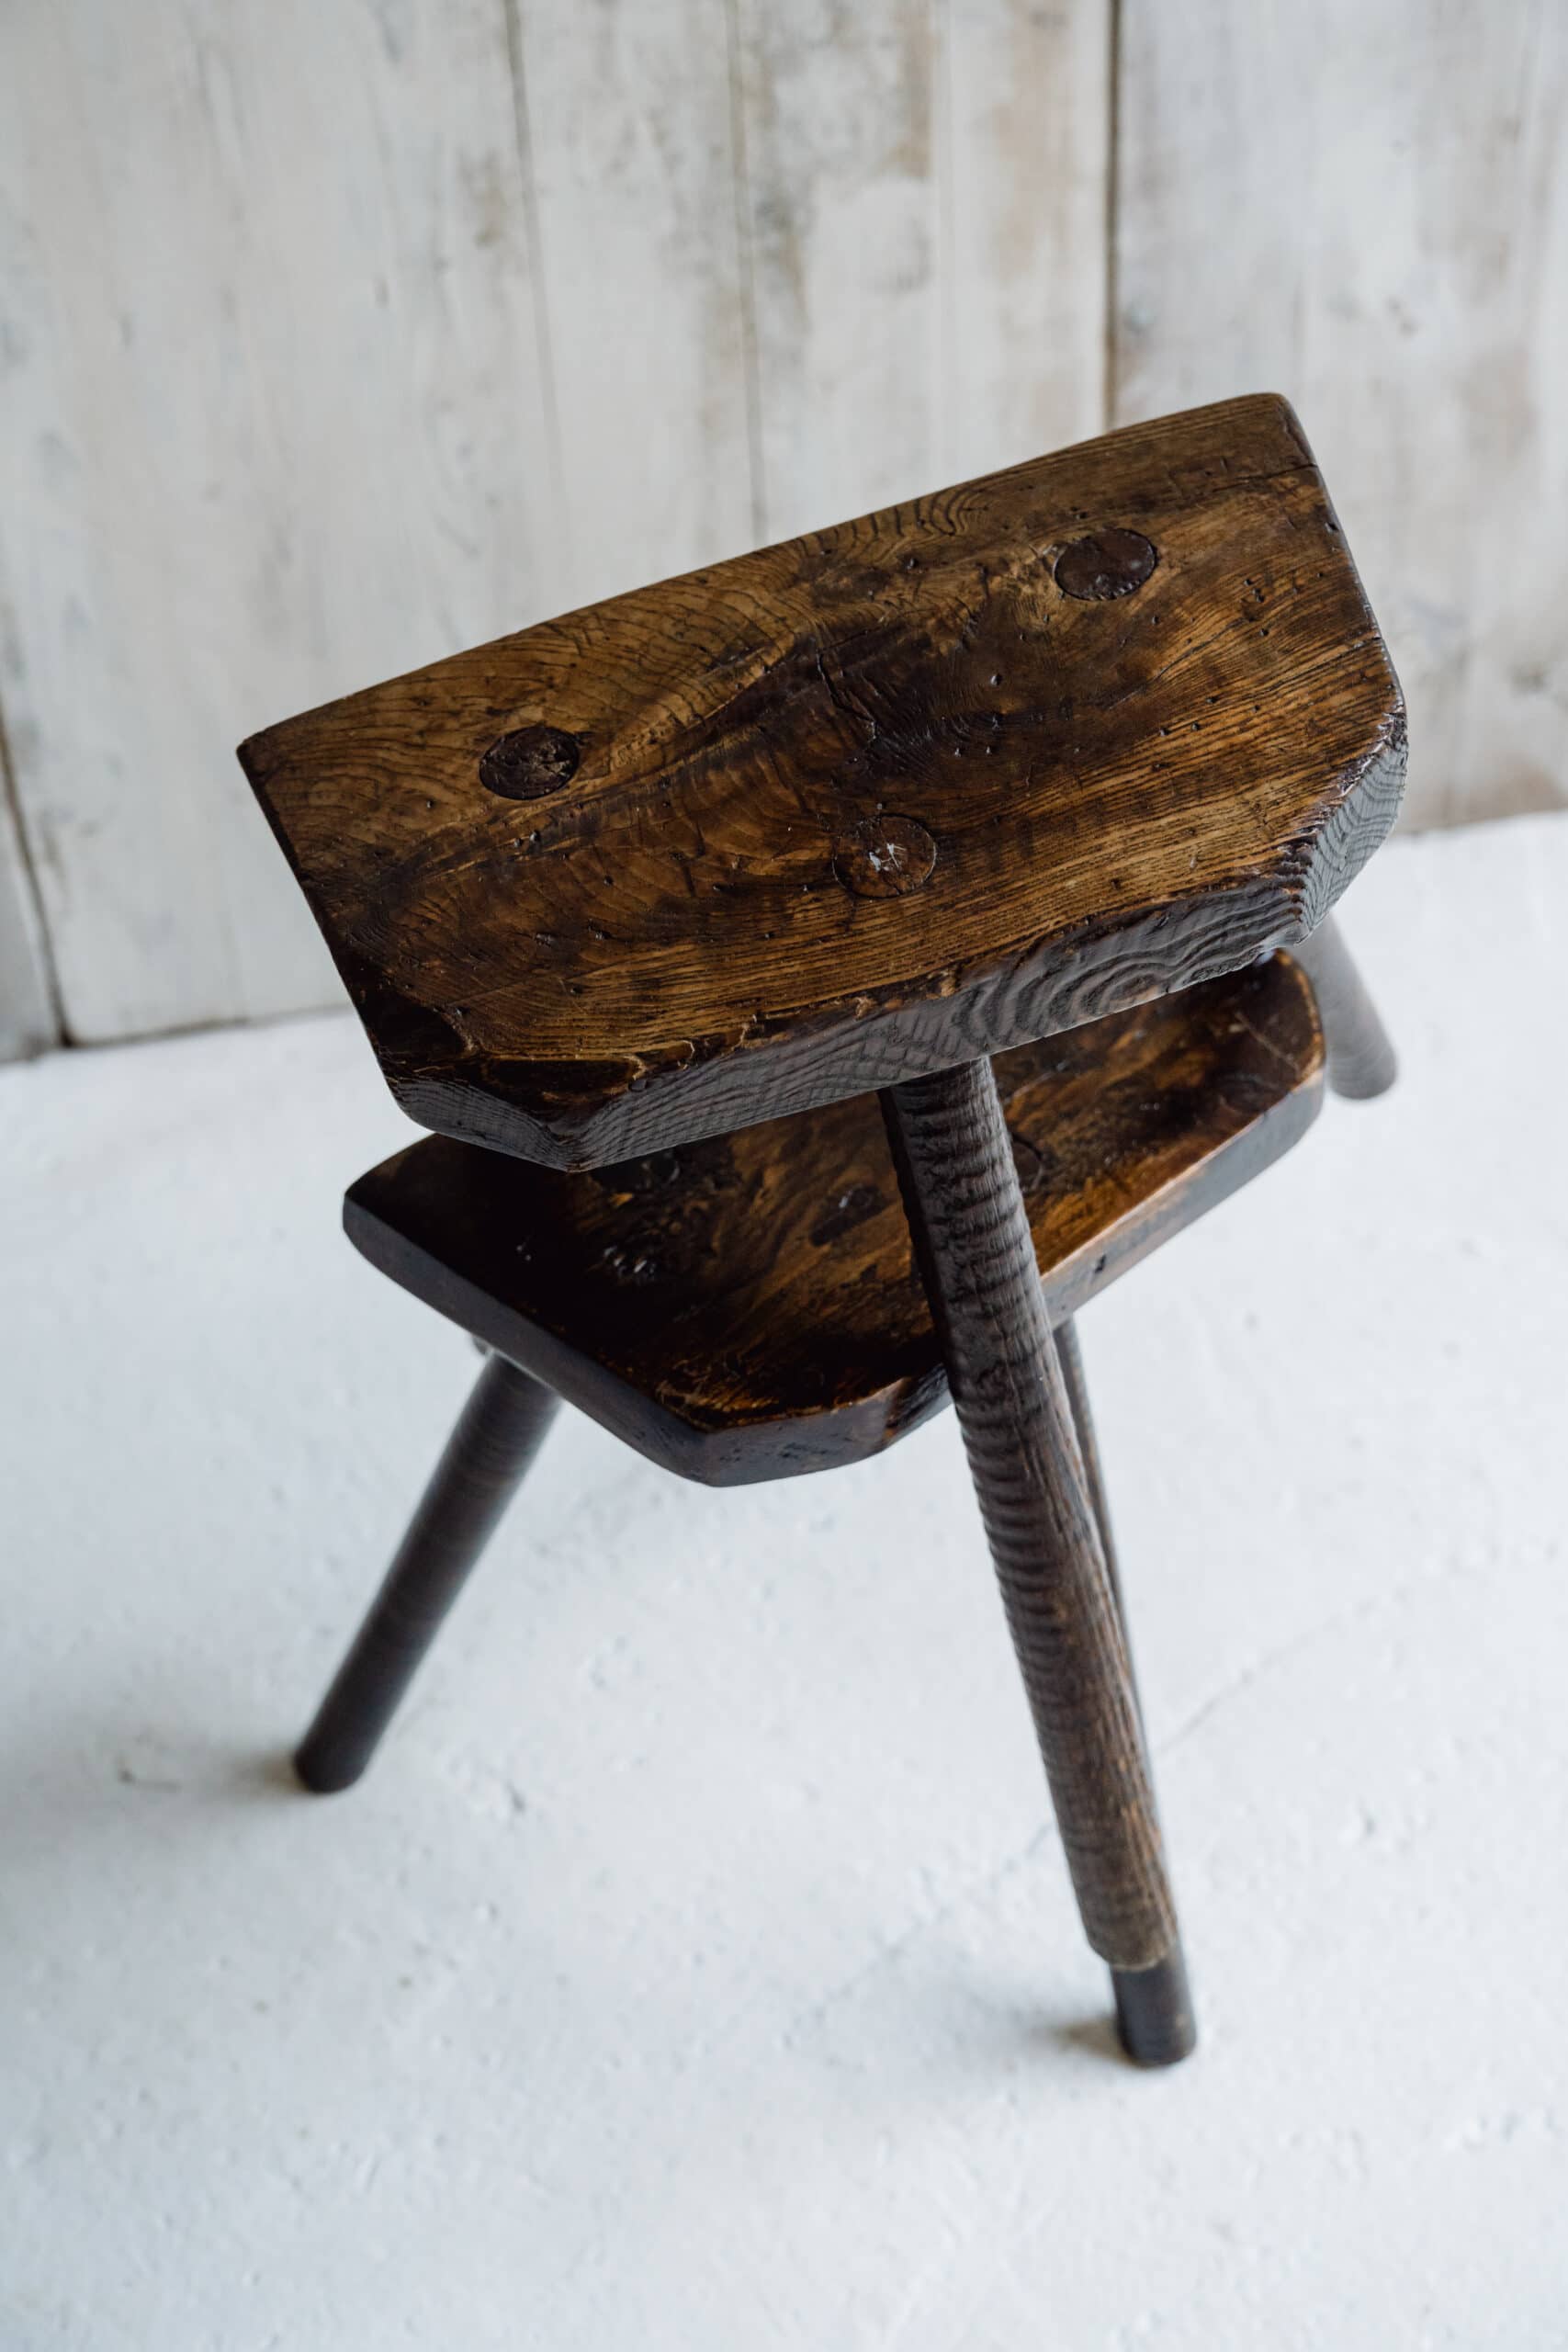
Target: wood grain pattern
x=748, y=1309
x=1368, y=208
x=1075, y=800
x=972, y=1241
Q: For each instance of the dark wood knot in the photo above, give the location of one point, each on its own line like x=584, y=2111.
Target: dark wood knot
x=1106, y=563
x=884, y=857
x=531, y=761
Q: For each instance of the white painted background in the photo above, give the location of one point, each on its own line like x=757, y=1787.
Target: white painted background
x=337, y=333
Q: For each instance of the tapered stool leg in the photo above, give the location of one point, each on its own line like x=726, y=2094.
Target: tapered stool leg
x=1070, y=1357
x=497, y=1436
x=1147, y=2000
x=1073, y=1381
x=977, y=1260
x=1362, y=1061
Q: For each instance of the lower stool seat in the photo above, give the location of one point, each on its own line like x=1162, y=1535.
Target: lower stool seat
x=748, y=1307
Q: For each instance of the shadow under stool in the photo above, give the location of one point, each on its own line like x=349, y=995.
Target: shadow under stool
x=824, y=972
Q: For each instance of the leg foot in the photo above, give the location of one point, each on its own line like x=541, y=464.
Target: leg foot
x=977, y=1260
x=1154, y=2011
x=496, y=1437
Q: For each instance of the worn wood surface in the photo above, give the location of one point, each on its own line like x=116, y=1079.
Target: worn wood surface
x=1368, y=206
x=748, y=1309
x=930, y=783
x=973, y=1244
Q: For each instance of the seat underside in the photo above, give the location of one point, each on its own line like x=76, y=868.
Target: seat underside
x=748, y=1307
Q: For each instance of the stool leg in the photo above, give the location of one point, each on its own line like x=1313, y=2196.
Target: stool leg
x=977, y=1260
x=1147, y=2000
x=1360, y=1059
x=1073, y=1381
x=497, y=1436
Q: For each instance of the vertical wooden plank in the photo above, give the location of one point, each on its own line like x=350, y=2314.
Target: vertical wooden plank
x=1026, y=112
x=836, y=106
x=630, y=129
x=925, y=189
x=29, y=1022
x=275, y=428
x=1368, y=209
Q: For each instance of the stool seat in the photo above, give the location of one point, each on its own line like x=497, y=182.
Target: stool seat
x=873, y=803
x=748, y=1307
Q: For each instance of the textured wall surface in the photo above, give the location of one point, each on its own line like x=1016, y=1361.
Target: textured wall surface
x=1365, y=202
x=695, y=1971
x=333, y=338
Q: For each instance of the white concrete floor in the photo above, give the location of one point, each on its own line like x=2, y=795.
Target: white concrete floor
x=696, y=1969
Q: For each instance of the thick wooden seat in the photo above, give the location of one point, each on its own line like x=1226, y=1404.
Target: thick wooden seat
x=875, y=802
x=748, y=1307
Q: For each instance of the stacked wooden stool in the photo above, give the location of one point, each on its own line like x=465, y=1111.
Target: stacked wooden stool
x=825, y=972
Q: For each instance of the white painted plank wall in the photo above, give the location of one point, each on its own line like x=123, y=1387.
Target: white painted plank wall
x=841, y=205
x=631, y=130
x=1364, y=204
x=28, y=1015
x=340, y=337
x=333, y=337
x=1026, y=149
x=273, y=429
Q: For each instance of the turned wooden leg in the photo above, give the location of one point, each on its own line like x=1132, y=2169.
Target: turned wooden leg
x=1161, y=1990
x=1360, y=1059
x=1076, y=1386
x=1073, y=1381
x=497, y=1436
x=977, y=1260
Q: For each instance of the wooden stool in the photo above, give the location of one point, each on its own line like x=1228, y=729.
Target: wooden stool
x=665, y=890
